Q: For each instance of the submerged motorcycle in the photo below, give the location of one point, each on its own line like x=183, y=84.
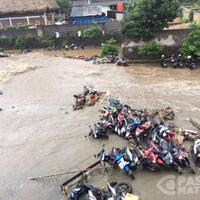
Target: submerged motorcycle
x=180, y=156
x=99, y=131
x=116, y=158
x=114, y=191
x=88, y=97
x=195, y=150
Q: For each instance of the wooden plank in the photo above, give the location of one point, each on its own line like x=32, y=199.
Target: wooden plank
x=79, y=174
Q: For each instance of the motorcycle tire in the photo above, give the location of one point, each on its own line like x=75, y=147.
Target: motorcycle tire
x=105, y=136
x=77, y=107
x=123, y=188
x=154, y=167
x=74, y=107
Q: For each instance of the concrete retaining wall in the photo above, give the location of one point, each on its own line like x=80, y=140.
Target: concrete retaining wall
x=64, y=30
x=170, y=38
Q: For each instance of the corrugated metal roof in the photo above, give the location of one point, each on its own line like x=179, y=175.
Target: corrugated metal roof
x=97, y=2
x=86, y=11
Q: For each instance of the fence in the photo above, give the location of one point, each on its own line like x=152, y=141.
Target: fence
x=63, y=30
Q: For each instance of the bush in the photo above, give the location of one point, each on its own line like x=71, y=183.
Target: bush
x=191, y=44
x=180, y=13
x=20, y=42
x=191, y=16
x=151, y=49
x=19, y=27
x=93, y=32
x=47, y=41
x=59, y=18
x=22, y=26
x=109, y=47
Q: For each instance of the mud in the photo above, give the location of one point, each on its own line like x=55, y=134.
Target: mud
x=41, y=135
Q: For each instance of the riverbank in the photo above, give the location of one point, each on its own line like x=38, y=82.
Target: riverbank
x=41, y=135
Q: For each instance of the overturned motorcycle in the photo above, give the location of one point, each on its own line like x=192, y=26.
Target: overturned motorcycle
x=88, y=97
x=114, y=191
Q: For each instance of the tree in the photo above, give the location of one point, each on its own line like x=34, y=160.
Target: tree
x=149, y=16
x=110, y=47
x=65, y=5
x=191, y=44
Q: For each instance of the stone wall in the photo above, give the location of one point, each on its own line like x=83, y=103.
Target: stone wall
x=13, y=33
x=63, y=30
x=170, y=38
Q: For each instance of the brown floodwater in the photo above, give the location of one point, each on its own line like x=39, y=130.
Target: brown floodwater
x=41, y=135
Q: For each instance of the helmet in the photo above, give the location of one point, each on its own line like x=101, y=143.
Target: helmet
x=189, y=57
x=163, y=56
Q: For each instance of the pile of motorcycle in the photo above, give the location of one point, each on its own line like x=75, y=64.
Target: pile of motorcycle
x=112, y=59
x=88, y=97
x=156, y=146
x=120, y=191
x=177, y=61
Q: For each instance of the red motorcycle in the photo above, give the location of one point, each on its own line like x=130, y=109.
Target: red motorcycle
x=141, y=131
x=93, y=97
x=152, y=160
x=180, y=156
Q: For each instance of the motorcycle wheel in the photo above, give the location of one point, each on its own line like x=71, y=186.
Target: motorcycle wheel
x=123, y=188
x=74, y=107
x=154, y=167
x=77, y=107
x=105, y=136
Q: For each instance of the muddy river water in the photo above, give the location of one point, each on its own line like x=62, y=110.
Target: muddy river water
x=41, y=135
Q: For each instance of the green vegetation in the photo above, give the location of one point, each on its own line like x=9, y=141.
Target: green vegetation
x=151, y=50
x=109, y=47
x=196, y=4
x=59, y=18
x=50, y=41
x=149, y=16
x=180, y=13
x=19, y=27
x=47, y=41
x=191, y=16
x=65, y=5
x=20, y=42
x=191, y=44
x=94, y=32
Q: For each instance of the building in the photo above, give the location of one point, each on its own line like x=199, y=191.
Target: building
x=89, y=11
x=97, y=2
x=27, y=12
x=87, y=14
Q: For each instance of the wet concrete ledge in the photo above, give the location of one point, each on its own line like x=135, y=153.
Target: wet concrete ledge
x=144, y=61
